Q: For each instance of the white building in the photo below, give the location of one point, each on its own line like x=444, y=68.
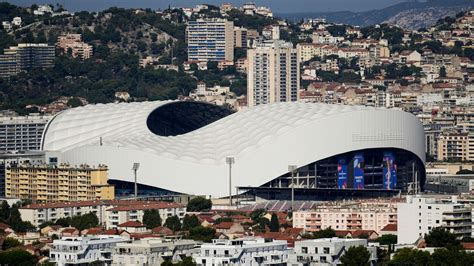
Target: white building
x=16, y=21
x=22, y=133
x=151, y=251
x=43, y=9
x=327, y=251
x=134, y=212
x=273, y=74
x=83, y=250
x=210, y=40
x=244, y=251
x=418, y=215
x=271, y=32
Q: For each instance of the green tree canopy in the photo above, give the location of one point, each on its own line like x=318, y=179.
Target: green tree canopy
x=387, y=239
x=173, y=223
x=190, y=221
x=85, y=221
x=17, y=257
x=356, y=256
x=440, y=237
x=151, y=218
x=199, y=204
x=201, y=233
x=274, y=223
x=408, y=256
x=10, y=243
x=325, y=233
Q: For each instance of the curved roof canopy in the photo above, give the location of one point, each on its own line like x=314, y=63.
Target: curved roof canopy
x=182, y=145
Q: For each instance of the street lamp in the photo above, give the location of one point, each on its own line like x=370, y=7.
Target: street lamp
x=135, y=169
x=230, y=160
x=292, y=169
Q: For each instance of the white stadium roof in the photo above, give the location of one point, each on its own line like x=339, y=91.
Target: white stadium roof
x=264, y=140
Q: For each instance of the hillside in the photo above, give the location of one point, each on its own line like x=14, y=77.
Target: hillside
x=411, y=15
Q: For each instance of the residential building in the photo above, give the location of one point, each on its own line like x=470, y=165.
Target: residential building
x=133, y=227
x=46, y=183
x=22, y=133
x=307, y=51
x=25, y=56
x=151, y=251
x=271, y=32
x=365, y=215
x=210, y=40
x=240, y=37
x=73, y=43
x=103, y=209
x=454, y=145
x=135, y=211
x=273, y=73
x=418, y=215
x=84, y=250
x=327, y=251
x=243, y=251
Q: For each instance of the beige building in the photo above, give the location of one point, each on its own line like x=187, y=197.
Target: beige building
x=273, y=73
x=44, y=183
x=76, y=46
x=240, y=37
x=368, y=215
x=306, y=51
x=210, y=39
x=454, y=146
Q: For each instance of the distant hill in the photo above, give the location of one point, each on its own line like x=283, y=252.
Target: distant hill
x=411, y=15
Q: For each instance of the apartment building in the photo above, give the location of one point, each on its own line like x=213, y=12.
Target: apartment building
x=327, y=251
x=418, y=215
x=371, y=215
x=46, y=183
x=25, y=56
x=307, y=51
x=273, y=73
x=210, y=39
x=240, y=37
x=454, y=145
x=243, y=251
x=135, y=210
x=151, y=251
x=74, y=44
x=84, y=250
x=22, y=133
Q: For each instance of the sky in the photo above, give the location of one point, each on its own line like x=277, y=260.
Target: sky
x=278, y=6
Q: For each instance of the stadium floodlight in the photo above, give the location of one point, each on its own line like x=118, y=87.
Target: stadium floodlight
x=292, y=169
x=135, y=169
x=230, y=160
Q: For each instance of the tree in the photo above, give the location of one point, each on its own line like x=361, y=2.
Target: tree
x=440, y=237
x=173, y=223
x=10, y=243
x=325, y=233
x=201, y=233
x=85, y=221
x=212, y=65
x=258, y=213
x=4, y=210
x=199, y=204
x=151, y=218
x=74, y=102
x=387, y=239
x=17, y=257
x=274, y=223
x=46, y=223
x=356, y=256
x=442, y=72
x=408, y=256
x=190, y=221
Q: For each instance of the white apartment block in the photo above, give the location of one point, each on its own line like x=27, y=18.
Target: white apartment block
x=134, y=212
x=210, y=40
x=327, y=251
x=151, y=251
x=83, y=250
x=273, y=73
x=22, y=133
x=244, y=251
x=347, y=216
x=110, y=213
x=418, y=215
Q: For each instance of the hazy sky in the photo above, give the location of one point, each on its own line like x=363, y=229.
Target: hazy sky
x=279, y=6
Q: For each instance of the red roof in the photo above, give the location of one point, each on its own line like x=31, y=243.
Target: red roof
x=390, y=228
x=224, y=225
x=69, y=230
x=162, y=230
x=468, y=245
x=93, y=231
x=131, y=224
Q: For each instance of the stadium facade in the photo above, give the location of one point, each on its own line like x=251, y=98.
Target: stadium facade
x=339, y=150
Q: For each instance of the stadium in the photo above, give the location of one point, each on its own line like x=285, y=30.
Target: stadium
x=339, y=151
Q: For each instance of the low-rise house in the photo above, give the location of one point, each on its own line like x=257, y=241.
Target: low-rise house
x=69, y=231
x=229, y=228
x=327, y=251
x=132, y=227
x=84, y=250
x=162, y=231
x=151, y=251
x=389, y=229
x=243, y=251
